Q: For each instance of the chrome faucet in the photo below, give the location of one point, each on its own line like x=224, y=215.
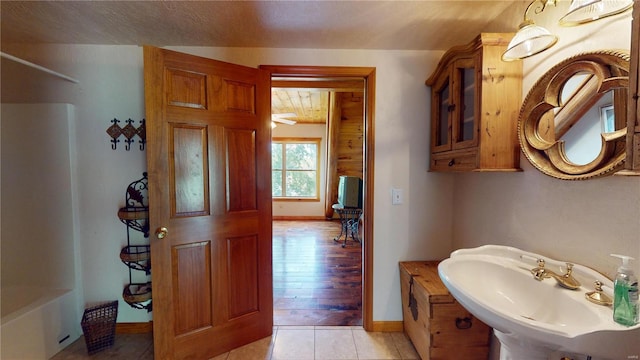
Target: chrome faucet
x=565, y=280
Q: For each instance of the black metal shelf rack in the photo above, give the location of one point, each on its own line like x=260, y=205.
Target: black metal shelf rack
x=137, y=257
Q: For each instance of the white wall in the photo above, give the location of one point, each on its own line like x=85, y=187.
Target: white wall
x=111, y=85
x=581, y=222
x=38, y=242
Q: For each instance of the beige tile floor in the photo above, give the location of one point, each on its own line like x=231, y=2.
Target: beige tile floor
x=286, y=343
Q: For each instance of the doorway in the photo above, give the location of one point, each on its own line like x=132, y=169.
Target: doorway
x=316, y=282
x=333, y=78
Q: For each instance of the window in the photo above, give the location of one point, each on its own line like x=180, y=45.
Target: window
x=294, y=166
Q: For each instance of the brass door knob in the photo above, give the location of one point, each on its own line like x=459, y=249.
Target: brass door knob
x=161, y=232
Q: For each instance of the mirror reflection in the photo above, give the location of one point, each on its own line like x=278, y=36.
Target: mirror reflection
x=572, y=123
x=583, y=141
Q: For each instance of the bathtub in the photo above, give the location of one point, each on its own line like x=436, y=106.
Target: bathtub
x=37, y=323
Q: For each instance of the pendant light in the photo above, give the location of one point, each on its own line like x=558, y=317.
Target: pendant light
x=584, y=11
x=530, y=39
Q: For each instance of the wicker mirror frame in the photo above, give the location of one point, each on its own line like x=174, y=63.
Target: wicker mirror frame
x=607, y=70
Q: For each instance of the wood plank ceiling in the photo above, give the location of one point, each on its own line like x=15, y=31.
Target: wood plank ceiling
x=308, y=98
x=309, y=106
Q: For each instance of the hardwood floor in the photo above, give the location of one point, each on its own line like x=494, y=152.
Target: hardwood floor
x=315, y=280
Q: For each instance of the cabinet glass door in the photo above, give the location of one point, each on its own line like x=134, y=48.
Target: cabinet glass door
x=465, y=114
x=441, y=128
x=443, y=119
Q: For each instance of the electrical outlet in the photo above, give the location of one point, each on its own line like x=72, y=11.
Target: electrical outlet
x=396, y=196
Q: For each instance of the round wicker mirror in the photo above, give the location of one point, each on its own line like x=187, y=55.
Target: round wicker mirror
x=572, y=124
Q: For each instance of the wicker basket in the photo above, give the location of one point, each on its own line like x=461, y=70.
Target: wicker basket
x=135, y=253
x=135, y=294
x=99, y=326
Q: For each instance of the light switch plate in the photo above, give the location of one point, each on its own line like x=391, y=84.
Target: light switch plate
x=396, y=196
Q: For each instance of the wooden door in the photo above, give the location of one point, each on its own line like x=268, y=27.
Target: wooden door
x=209, y=165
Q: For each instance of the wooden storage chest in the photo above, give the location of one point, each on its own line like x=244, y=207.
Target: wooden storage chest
x=438, y=326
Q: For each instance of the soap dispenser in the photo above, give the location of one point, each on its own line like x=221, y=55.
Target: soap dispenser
x=625, y=294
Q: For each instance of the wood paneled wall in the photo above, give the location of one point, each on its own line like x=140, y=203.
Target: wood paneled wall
x=351, y=141
x=345, y=145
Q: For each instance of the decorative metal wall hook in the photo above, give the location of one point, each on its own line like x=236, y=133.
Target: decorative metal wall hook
x=129, y=131
x=114, y=131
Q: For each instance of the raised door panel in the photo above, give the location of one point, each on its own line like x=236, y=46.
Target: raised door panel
x=241, y=170
x=243, y=275
x=192, y=278
x=190, y=168
x=186, y=89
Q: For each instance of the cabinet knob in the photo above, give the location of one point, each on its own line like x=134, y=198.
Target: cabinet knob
x=161, y=232
x=452, y=162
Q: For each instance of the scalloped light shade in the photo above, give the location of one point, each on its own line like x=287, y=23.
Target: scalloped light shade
x=529, y=40
x=584, y=11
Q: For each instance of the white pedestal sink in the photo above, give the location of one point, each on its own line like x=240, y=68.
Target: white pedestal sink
x=533, y=319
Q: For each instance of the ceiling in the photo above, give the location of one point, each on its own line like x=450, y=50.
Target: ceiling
x=309, y=106
x=405, y=25
x=361, y=24
x=308, y=99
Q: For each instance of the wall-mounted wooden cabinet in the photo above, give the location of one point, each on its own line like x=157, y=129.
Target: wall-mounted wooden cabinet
x=475, y=103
